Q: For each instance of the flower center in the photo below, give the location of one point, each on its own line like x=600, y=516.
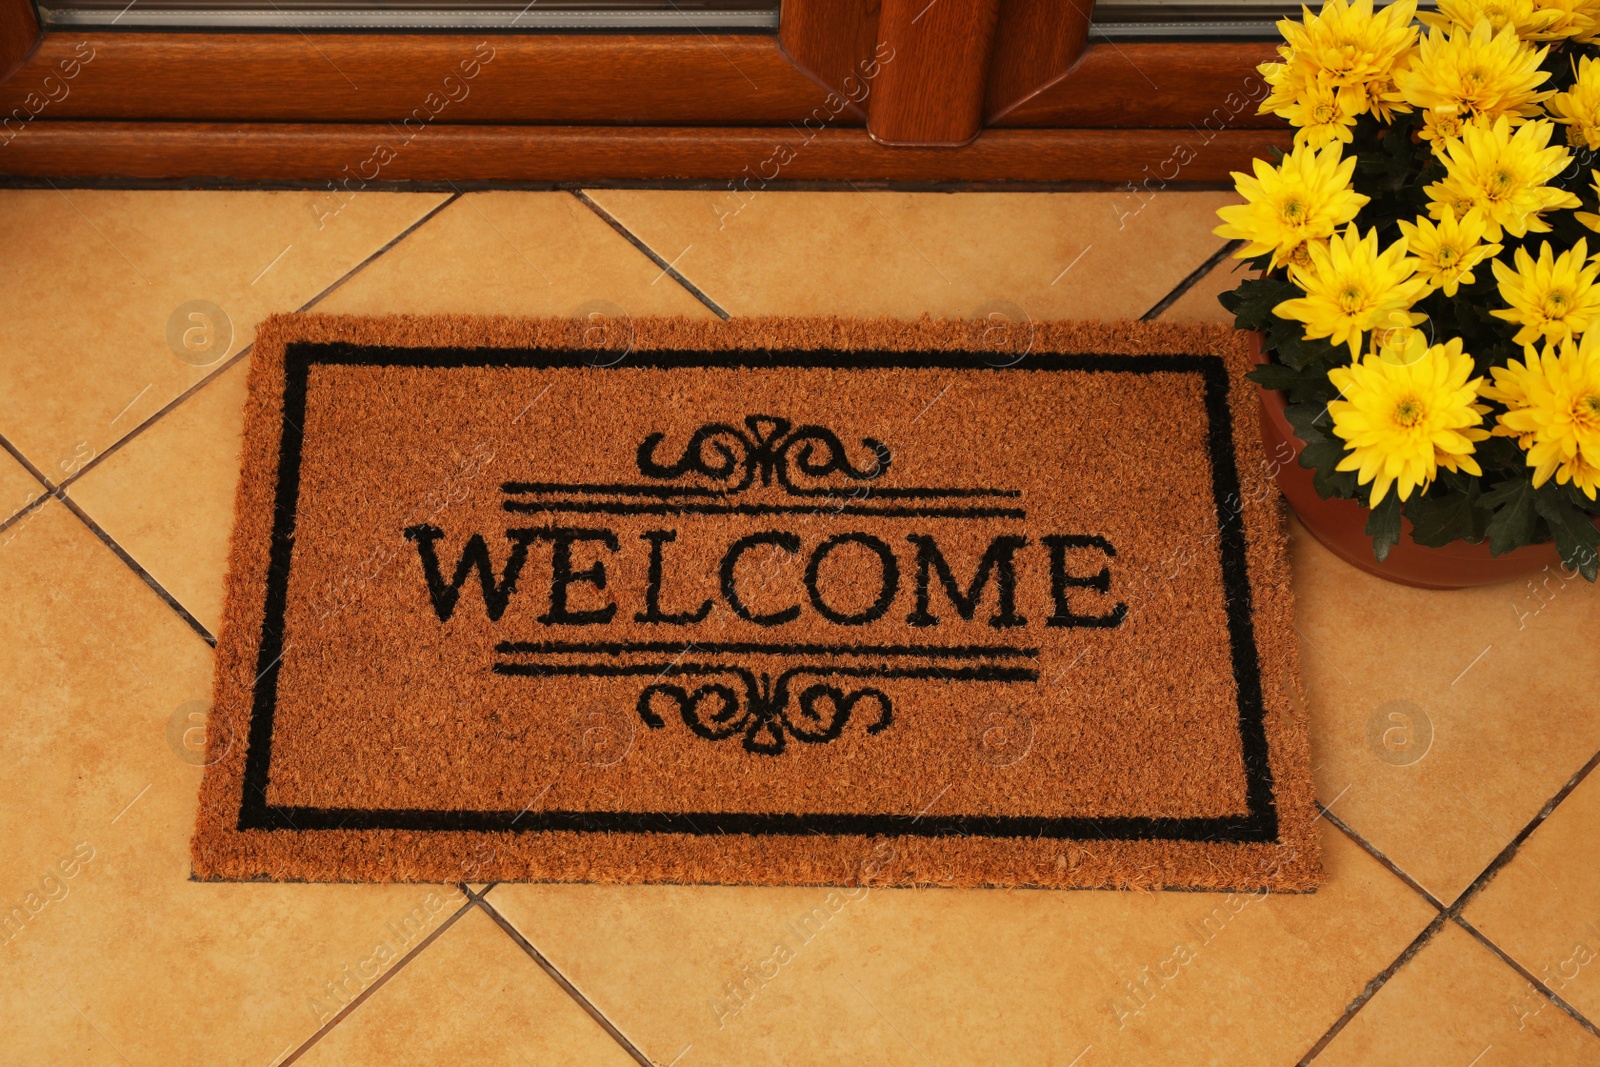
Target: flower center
x=1408, y=410
x=1556, y=303
x=1352, y=298
x=1586, y=411
x=1447, y=256
x=1293, y=210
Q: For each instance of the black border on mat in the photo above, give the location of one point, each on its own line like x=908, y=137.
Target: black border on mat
x=1260, y=824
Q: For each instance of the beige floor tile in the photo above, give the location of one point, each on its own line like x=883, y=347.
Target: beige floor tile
x=473, y=996
x=962, y=255
x=1543, y=908
x=111, y=954
x=1455, y=1003
x=18, y=489
x=1485, y=695
x=810, y=976
x=167, y=495
x=95, y=281
x=1199, y=303
x=511, y=253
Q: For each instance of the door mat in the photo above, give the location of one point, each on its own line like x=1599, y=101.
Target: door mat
x=769, y=602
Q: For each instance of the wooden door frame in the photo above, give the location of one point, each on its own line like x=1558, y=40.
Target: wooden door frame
x=847, y=90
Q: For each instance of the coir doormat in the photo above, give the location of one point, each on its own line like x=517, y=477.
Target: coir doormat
x=773, y=602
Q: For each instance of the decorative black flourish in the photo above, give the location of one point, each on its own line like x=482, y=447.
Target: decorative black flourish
x=734, y=700
x=762, y=712
x=774, y=450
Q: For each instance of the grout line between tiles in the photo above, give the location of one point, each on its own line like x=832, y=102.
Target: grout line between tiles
x=561, y=980
x=1189, y=282
x=116, y=445
x=27, y=509
x=379, y=982
x=121, y=553
x=16, y=454
x=1549, y=994
x=1506, y=854
x=1394, y=868
x=1372, y=987
x=629, y=236
x=58, y=491
x=365, y=263
x=245, y=351
x=37, y=475
x=1452, y=913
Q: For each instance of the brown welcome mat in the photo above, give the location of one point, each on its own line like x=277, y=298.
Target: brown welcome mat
x=768, y=601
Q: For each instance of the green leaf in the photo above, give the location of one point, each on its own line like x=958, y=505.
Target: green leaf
x=1306, y=386
x=1286, y=340
x=1443, y=515
x=1304, y=418
x=1383, y=526
x=1252, y=302
x=1501, y=453
x=1275, y=376
x=1515, y=521
x=1322, y=457
x=1576, y=537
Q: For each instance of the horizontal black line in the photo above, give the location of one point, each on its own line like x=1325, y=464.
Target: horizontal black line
x=601, y=508
x=756, y=647
x=861, y=361
x=610, y=490
x=887, y=492
x=668, y=670
x=1231, y=829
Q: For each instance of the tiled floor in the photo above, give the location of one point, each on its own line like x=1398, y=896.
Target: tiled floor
x=1460, y=924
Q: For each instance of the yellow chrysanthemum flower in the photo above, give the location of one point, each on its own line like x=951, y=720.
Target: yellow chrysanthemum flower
x=1553, y=298
x=1447, y=252
x=1579, y=107
x=1351, y=287
x=1323, y=116
x=1504, y=174
x=1402, y=421
x=1383, y=99
x=1402, y=343
x=1526, y=19
x=1589, y=218
x=1347, y=47
x=1441, y=129
x=1553, y=403
x=1575, y=19
x=1509, y=390
x=1302, y=200
x=1286, y=80
x=1475, y=73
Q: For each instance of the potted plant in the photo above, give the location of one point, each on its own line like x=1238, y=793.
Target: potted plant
x=1424, y=289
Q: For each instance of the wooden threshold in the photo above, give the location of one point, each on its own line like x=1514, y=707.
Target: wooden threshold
x=742, y=158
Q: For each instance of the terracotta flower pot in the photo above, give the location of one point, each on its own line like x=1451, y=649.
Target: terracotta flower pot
x=1341, y=524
